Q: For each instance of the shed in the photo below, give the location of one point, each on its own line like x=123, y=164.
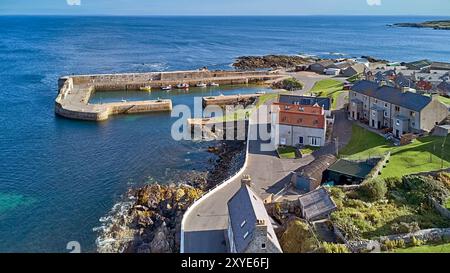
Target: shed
x=316, y=205
x=441, y=130
x=320, y=66
x=346, y=172
x=309, y=177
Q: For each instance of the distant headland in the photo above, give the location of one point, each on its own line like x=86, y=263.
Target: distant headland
x=442, y=24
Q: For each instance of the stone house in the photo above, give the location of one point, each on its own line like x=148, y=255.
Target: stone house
x=401, y=110
x=353, y=70
x=297, y=124
x=250, y=228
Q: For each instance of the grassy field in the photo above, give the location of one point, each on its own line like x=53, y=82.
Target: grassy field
x=286, y=152
x=408, y=159
x=328, y=88
x=444, y=100
x=444, y=248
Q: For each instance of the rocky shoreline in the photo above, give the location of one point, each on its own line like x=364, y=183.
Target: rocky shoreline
x=270, y=61
x=148, y=220
x=443, y=24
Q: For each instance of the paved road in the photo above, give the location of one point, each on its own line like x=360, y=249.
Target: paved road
x=205, y=227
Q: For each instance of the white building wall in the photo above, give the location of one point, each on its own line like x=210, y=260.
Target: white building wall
x=290, y=135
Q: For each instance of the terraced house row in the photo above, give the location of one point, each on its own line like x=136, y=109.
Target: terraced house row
x=402, y=110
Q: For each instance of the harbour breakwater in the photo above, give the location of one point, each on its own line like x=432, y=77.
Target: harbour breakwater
x=75, y=91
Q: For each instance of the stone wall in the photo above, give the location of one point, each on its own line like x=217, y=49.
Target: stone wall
x=444, y=212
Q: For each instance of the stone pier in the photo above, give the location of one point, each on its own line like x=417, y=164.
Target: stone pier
x=75, y=91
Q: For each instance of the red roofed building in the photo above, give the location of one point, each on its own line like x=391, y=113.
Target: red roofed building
x=296, y=124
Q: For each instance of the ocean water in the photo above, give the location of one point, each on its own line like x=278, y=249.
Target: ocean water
x=59, y=176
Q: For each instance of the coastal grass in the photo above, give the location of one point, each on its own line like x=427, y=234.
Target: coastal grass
x=287, y=152
x=442, y=248
x=399, y=209
x=422, y=155
x=242, y=114
x=444, y=100
x=328, y=88
x=447, y=204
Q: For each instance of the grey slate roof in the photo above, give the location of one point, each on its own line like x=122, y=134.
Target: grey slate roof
x=444, y=86
x=246, y=206
x=403, y=81
x=356, y=68
x=314, y=170
x=316, y=203
x=409, y=100
x=440, y=66
x=306, y=100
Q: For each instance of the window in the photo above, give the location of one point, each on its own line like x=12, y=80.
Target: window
x=413, y=124
x=300, y=120
x=397, y=122
x=300, y=140
x=243, y=223
x=385, y=105
x=316, y=122
x=385, y=113
x=315, y=141
x=397, y=108
x=263, y=246
x=376, y=101
x=246, y=235
x=412, y=114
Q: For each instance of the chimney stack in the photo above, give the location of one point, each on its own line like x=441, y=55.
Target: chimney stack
x=246, y=180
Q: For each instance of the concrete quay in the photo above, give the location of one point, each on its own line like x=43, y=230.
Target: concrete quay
x=227, y=100
x=74, y=91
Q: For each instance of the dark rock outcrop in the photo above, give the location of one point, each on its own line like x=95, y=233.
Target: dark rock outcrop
x=270, y=61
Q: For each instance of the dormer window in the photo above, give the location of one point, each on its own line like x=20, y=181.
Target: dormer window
x=263, y=246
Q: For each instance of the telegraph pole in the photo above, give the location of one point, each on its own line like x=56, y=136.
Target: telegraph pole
x=336, y=142
x=442, y=152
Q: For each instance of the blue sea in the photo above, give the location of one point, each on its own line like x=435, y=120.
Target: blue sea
x=59, y=176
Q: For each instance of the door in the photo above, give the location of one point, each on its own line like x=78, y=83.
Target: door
x=397, y=133
x=300, y=140
x=373, y=123
x=379, y=124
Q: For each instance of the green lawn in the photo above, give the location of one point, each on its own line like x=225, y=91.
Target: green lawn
x=287, y=152
x=307, y=150
x=407, y=159
x=328, y=88
x=444, y=248
x=444, y=100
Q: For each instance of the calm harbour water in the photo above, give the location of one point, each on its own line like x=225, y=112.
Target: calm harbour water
x=59, y=176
